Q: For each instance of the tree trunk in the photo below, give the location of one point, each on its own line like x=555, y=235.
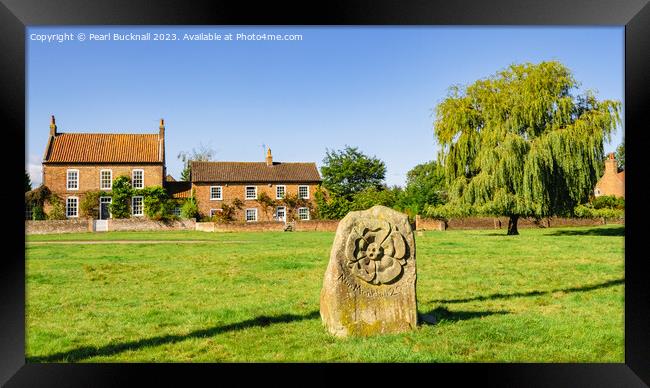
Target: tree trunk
x=512, y=225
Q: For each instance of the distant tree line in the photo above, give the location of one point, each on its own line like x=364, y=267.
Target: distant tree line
x=520, y=143
x=355, y=181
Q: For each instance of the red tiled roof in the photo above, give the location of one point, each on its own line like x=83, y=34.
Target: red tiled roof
x=254, y=172
x=179, y=189
x=105, y=148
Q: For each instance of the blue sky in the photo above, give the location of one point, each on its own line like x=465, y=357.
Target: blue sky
x=370, y=87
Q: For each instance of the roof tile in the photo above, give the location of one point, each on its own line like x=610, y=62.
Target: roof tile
x=105, y=148
x=254, y=172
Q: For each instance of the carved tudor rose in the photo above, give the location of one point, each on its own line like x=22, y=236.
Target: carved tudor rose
x=375, y=252
x=369, y=285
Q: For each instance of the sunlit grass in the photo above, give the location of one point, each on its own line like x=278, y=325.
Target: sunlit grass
x=548, y=295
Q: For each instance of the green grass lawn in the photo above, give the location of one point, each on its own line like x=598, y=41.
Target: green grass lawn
x=547, y=295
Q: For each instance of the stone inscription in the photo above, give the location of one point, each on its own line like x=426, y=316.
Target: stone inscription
x=356, y=288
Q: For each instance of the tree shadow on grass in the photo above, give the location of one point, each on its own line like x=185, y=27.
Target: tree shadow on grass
x=608, y=232
x=592, y=287
x=595, y=231
x=109, y=350
x=442, y=314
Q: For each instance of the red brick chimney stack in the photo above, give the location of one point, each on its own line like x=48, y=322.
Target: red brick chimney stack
x=610, y=164
x=269, y=158
x=52, y=126
x=162, y=129
x=161, y=138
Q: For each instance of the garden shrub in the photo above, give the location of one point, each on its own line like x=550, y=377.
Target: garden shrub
x=238, y=203
x=606, y=207
x=226, y=214
x=330, y=207
x=190, y=209
x=608, y=202
x=89, y=206
x=58, y=209
x=266, y=202
x=292, y=203
x=121, y=193
x=38, y=213
x=157, y=204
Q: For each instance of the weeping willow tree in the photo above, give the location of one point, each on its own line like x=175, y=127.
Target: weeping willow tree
x=520, y=144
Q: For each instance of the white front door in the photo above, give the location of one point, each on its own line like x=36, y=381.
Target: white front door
x=281, y=214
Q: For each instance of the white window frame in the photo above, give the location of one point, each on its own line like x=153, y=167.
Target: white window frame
x=76, y=215
x=177, y=211
x=246, y=215
x=67, y=179
x=110, y=180
x=301, y=186
x=213, y=212
x=300, y=216
x=284, y=190
x=220, y=196
x=133, y=178
x=133, y=205
x=284, y=208
x=246, y=192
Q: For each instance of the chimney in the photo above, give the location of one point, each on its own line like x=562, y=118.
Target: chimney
x=52, y=126
x=611, y=167
x=269, y=158
x=161, y=138
x=161, y=134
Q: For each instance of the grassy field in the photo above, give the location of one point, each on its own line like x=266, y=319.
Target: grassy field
x=548, y=295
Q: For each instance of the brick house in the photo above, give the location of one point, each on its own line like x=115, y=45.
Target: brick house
x=76, y=163
x=612, y=182
x=219, y=183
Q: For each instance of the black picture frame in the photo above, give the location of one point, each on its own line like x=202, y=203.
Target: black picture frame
x=16, y=15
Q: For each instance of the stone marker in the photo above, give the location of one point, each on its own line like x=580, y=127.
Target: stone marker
x=369, y=286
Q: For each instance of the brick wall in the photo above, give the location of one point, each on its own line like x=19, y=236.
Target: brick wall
x=502, y=223
x=267, y=226
x=238, y=226
x=428, y=224
x=86, y=225
x=231, y=191
x=143, y=224
x=55, y=176
x=317, y=225
x=58, y=226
